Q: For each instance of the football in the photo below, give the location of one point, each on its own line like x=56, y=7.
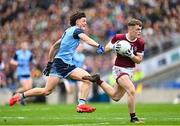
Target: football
x=124, y=46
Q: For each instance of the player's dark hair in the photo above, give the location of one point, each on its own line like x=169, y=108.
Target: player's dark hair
x=133, y=22
x=75, y=16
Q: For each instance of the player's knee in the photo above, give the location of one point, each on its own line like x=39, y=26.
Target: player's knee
x=115, y=98
x=132, y=92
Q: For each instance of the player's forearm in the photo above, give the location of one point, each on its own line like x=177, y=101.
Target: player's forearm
x=88, y=40
x=52, y=54
x=108, y=47
x=92, y=42
x=53, y=51
x=137, y=59
x=13, y=62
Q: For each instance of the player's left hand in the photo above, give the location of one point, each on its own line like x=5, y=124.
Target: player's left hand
x=115, y=47
x=100, y=49
x=129, y=53
x=47, y=69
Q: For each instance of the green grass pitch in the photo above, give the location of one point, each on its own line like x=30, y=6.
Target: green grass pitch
x=105, y=115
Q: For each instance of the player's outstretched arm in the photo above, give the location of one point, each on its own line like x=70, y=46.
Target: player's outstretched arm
x=88, y=40
x=108, y=47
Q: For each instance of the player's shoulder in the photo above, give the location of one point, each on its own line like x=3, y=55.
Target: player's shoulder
x=19, y=51
x=29, y=51
x=118, y=37
x=73, y=28
x=69, y=29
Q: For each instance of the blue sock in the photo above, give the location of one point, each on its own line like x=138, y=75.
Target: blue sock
x=81, y=101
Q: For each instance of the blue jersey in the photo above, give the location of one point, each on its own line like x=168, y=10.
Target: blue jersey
x=23, y=58
x=78, y=59
x=69, y=42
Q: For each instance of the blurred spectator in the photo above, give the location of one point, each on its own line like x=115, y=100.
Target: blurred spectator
x=1, y=62
x=2, y=75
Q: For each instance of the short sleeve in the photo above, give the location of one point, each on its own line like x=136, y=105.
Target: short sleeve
x=31, y=58
x=15, y=57
x=117, y=37
x=77, y=32
x=114, y=39
x=141, y=46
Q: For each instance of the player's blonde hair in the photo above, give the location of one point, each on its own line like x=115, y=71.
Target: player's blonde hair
x=133, y=22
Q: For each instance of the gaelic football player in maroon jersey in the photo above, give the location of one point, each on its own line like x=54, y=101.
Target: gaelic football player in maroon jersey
x=123, y=67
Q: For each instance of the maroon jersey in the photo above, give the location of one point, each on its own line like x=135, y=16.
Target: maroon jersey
x=138, y=47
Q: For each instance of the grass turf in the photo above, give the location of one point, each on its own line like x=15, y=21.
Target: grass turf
x=105, y=115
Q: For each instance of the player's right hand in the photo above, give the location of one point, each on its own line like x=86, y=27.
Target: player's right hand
x=100, y=49
x=47, y=69
x=129, y=53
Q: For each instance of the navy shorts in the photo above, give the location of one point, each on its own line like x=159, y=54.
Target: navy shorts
x=61, y=69
x=23, y=77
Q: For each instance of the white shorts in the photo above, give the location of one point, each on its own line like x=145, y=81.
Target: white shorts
x=119, y=71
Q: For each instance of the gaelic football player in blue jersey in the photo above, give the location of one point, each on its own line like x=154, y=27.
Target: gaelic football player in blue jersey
x=22, y=59
x=60, y=63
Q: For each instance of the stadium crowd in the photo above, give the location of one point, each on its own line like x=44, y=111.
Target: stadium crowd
x=42, y=22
